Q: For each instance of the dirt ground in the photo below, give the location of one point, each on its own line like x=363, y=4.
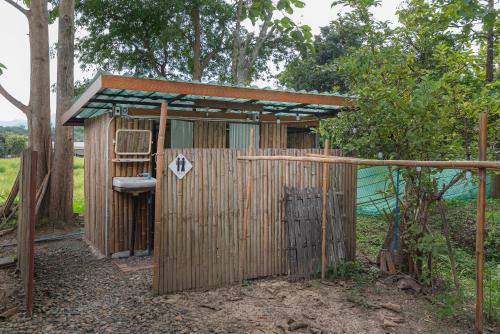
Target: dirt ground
x=77, y=293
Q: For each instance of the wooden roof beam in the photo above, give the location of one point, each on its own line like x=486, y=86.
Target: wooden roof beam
x=304, y=121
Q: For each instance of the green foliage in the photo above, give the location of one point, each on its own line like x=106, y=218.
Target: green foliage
x=2, y=68
x=12, y=144
x=78, y=134
x=449, y=303
x=318, y=69
x=370, y=234
x=419, y=89
x=78, y=191
x=156, y=38
x=10, y=168
x=148, y=38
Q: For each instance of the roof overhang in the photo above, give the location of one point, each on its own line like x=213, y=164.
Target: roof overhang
x=108, y=90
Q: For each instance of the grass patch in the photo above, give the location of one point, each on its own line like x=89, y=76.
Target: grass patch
x=371, y=231
x=461, y=217
x=10, y=167
x=354, y=270
x=78, y=194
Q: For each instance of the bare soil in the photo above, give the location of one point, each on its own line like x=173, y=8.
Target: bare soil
x=78, y=293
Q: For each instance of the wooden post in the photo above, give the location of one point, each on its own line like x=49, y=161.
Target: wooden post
x=32, y=221
x=481, y=207
x=323, y=212
x=248, y=206
x=160, y=151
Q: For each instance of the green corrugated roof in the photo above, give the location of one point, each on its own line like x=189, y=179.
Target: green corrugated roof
x=105, y=98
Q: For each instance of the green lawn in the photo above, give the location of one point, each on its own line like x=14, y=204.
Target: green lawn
x=10, y=167
x=371, y=232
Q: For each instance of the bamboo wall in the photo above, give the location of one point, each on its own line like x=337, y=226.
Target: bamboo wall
x=273, y=136
x=120, y=206
x=95, y=186
x=301, y=140
x=202, y=215
x=209, y=134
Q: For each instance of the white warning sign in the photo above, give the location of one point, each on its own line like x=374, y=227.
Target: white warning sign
x=180, y=166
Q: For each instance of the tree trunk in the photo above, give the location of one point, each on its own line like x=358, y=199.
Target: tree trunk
x=490, y=41
x=490, y=45
x=195, y=17
x=61, y=182
x=236, y=42
x=39, y=113
x=245, y=53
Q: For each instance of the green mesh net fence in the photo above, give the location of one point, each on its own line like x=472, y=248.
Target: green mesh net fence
x=373, y=182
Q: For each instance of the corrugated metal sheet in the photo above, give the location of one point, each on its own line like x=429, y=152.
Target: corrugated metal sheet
x=181, y=134
x=239, y=135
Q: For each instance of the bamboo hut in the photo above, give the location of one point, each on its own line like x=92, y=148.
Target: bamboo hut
x=197, y=131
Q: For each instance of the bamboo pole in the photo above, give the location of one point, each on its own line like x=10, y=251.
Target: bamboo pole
x=469, y=164
x=323, y=212
x=248, y=202
x=160, y=151
x=481, y=207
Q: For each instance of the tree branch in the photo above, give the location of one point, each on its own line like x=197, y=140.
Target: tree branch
x=454, y=180
x=18, y=7
x=21, y=106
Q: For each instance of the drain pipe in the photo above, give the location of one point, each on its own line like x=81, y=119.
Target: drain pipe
x=106, y=216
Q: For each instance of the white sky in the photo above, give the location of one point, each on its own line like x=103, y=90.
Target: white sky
x=14, y=50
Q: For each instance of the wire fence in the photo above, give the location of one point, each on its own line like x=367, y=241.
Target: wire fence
x=374, y=182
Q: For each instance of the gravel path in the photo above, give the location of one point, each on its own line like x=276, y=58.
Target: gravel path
x=78, y=293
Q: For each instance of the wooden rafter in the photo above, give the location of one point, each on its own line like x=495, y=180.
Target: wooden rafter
x=303, y=122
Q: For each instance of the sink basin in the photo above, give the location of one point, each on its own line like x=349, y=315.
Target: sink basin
x=133, y=183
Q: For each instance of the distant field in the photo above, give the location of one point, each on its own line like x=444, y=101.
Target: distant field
x=10, y=167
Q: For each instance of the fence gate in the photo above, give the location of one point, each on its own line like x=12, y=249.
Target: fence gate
x=303, y=225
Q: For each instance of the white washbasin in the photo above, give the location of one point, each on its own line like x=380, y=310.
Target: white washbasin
x=131, y=183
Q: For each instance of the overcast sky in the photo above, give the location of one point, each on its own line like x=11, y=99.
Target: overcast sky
x=14, y=53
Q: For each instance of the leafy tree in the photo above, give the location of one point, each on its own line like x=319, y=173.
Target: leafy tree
x=267, y=38
x=419, y=89
x=13, y=129
x=318, y=69
x=153, y=38
x=215, y=39
x=12, y=143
